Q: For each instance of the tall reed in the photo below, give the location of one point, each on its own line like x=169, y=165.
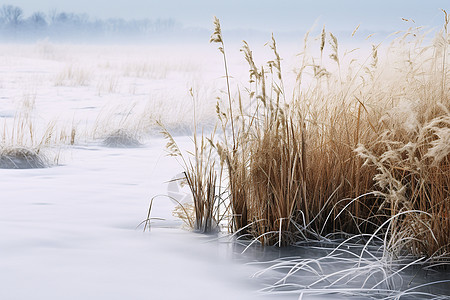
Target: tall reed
x=202, y=177
x=357, y=150
x=361, y=149
x=412, y=154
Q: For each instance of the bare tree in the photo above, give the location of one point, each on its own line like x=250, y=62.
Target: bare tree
x=38, y=19
x=11, y=15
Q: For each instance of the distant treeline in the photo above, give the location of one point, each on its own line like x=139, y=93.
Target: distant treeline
x=61, y=26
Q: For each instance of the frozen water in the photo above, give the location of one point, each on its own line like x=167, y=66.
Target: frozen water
x=71, y=232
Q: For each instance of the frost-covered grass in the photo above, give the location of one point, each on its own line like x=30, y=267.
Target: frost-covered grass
x=98, y=90
x=357, y=148
x=24, y=146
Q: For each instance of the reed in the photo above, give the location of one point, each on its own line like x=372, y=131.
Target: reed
x=412, y=155
x=361, y=150
x=203, y=178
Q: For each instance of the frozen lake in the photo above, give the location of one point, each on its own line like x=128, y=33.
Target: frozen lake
x=70, y=232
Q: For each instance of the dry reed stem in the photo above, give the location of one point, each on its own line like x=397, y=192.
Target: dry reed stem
x=347, y=153
x=359, y=151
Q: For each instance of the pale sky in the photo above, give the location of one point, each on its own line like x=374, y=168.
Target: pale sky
x=268, y=15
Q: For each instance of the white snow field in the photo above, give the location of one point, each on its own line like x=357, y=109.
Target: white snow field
x=71, y=231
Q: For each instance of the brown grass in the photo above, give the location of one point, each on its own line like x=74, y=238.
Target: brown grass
x=353, y=150
x=361, y=149
x=23, y=145
x=202, y=177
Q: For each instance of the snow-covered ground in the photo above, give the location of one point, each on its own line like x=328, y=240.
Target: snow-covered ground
x=73, y=231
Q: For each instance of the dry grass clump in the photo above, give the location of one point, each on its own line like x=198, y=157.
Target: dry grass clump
x=357, y=150
x=360, y=148
x=291, y=166
x=121, y=139
x=201, y=175
x=413, y=173
x=413, y=177
x=21, y=158
x=26, y=144
x=201, y=178
x=412, y=154
x=73, y=76
x=20, y=148
x=119, y=126
x=266, y=142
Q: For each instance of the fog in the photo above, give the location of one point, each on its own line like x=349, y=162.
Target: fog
x=139, y=21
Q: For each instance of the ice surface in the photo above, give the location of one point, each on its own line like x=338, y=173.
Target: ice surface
x=71, y=232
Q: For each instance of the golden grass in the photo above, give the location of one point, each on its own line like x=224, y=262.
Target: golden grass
x=22, y=147
x=73, y=76
x=21, y=158
x=361, y=150
x=201, y=175
x=24, y=143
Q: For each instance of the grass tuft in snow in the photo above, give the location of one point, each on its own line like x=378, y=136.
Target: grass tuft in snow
x=121, y=139
x=22, y=158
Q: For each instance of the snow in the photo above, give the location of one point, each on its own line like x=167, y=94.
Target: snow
x=72, y=231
